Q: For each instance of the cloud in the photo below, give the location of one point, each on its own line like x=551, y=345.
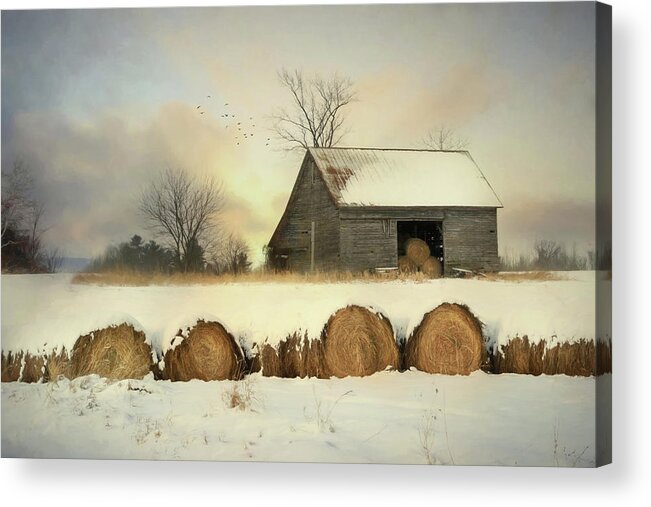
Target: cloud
x=529, y=219
x=401, y=106
x=91, y=173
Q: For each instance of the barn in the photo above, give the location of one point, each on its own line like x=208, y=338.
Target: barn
x=353, y=209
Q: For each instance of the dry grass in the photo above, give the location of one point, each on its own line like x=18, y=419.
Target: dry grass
x=11, y=366
x=27, y=367
x=523, y=276
x=358, y=342
x=134, y=279
x=116, y=352
x=34, y=368
x=57, y=364
x=579, y=358
x=295, y=356
x=208, y=353
x=448, y=340
x=407, y=271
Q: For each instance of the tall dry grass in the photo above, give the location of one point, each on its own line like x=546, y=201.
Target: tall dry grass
x=139, y=279
x=581, y=358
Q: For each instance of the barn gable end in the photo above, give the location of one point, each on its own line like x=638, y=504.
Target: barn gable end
x=310, y=202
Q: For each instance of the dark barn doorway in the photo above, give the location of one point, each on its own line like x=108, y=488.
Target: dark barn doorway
x=430, y=232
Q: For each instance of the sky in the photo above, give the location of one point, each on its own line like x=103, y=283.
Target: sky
x=98, y=102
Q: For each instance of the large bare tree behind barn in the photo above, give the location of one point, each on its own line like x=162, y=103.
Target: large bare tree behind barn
x=316, y=117
x=184, y=210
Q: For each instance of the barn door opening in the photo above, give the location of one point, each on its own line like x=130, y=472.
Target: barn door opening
x=430, y=232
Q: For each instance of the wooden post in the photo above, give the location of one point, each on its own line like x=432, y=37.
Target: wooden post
x=312, y=249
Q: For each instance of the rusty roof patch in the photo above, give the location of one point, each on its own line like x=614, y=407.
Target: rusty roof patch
x=339, y=176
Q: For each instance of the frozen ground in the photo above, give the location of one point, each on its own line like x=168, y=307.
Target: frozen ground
x=389, y=417
x=43, y=312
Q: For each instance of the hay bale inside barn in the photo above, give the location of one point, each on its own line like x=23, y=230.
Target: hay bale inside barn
x=358, y=209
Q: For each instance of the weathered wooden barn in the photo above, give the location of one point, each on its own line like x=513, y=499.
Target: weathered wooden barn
x=352, y=209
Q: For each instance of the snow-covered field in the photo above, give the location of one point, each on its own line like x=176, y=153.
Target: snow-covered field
x=42, y=312
x=389, y=417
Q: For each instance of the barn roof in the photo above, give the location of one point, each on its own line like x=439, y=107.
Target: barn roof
x=398, y=178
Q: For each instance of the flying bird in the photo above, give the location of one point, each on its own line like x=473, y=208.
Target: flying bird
x=202, y=112
x=226, y=104
x=208, y=96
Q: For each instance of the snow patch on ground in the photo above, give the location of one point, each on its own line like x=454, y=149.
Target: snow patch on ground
x=46, y=312
x=390, y=417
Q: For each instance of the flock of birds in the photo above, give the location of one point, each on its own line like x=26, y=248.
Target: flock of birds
x=244, y=130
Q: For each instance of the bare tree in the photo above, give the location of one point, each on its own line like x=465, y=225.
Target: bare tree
x=16, y=200
x=445, y=139
x=233, y=256
x=52, y=260
x=22, y=227
x=184, y=210
x=316, y=117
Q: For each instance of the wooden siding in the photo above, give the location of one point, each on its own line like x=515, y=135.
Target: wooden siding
x=367, y=244
x=470, y=239
x=310, y=201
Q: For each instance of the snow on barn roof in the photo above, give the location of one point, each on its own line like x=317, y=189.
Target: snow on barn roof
x=395, y=177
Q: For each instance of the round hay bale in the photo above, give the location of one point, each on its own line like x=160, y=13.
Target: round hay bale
x=432, y=268
x=115, y=352
x=406, y=265
x=209, y=352
x=358, y=342
x=417, y=250
x=448, y=340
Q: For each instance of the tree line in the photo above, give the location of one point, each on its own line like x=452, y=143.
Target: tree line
x=182, y=212
x=547, y=255
x=22, y=227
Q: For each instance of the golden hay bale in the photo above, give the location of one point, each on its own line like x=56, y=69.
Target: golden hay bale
x=432, y=268
x=417, y=250
x=448, y=340
x=208, y=353
x=406, y=265
x=358, y=342
x=116, y=352
x=11, y=366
